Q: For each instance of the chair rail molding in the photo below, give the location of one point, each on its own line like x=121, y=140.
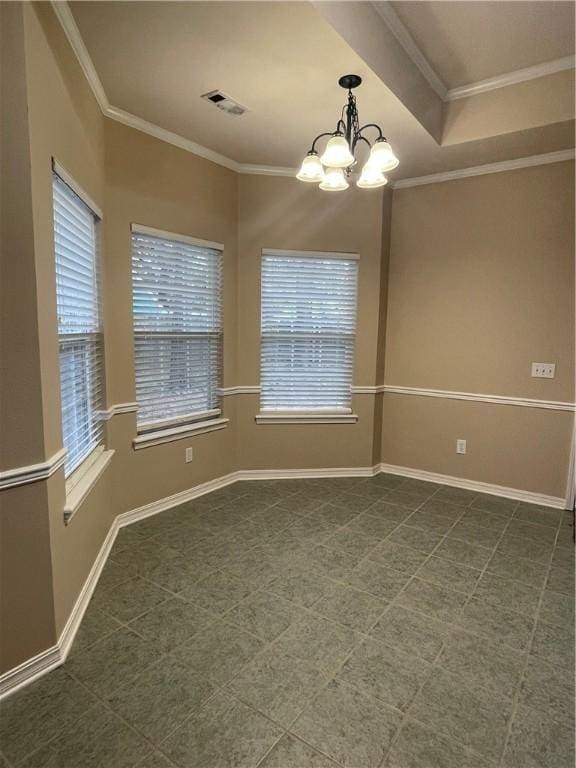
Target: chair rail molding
x=32, y=472
x=525, y=402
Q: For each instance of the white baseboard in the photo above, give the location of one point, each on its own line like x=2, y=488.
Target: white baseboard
x=472, y=485
x=44, y=662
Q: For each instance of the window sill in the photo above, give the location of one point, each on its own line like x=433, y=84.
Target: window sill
x=84, y=479
x=160, y=436
x=306, y=418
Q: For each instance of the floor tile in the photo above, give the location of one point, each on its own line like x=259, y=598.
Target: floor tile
x=456, y=495
x=302, y=588
x=476, y=718
x=423, y=487
x=507, y=594
x=176, y=575
x=557, y=609
x=320, y=642
x=264, y=615
x=387, y=480
x=351, y=541
x=290, y=752
x=410, y=499
x=482, y=663
x=129, y=599
x=380, y=581
x=172, y=623
x=255, y=567
x=476, y=534
x=538, y=741
x=440, y=507
x=115, y=573
x=495, y=504
x=463, y=552
x=225, y=734
x=533, y=513
x=96, y=625
x=185, y=536
x=411, y=632
x=373, y=525
x=566, y=538
x=332, y=562
x=430, y=522
x=554, y=645
x=35, y=714
x=339, y=514
x=277, y=685
x=433, y=600
x=386, y=673
x=130, y=653
x=162, y=697
x=515, y=546
x=426, y=541
x=486, y=519
x=385, y=510
x=561, y=579
x=155, y=760
x=548, y=689
x=398, y=557
x=96, y=739
x=449, y=574
x=218, y=592
x=350, y=727
x=219, y=652
x=350, y=607
x=509, y=627
x=531, y=531
x=517, y=569
x=421, y=747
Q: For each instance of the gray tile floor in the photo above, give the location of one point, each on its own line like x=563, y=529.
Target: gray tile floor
x=364, y=623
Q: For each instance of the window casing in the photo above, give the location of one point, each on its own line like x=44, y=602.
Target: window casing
x=80, y=336
x=177, y=308
x=308, y=328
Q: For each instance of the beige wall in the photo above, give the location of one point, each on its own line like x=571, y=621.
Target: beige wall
x=283, y=213
x=481, y=284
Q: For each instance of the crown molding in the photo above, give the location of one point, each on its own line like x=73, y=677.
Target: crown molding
x=66, y=19
x=481, y=170
x=511, y=78
x=396, y=26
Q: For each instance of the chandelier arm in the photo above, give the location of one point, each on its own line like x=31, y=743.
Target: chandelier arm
x=372, y=125
x=320, y=136
x=358, y=137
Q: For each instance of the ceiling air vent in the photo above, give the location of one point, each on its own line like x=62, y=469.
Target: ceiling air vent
x=224, y=102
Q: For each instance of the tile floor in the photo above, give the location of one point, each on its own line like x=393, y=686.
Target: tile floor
x=364, y=623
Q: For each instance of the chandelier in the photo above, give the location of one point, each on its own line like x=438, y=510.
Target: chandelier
x=333, y=168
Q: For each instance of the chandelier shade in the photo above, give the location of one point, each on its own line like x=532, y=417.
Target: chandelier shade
x=332, y=169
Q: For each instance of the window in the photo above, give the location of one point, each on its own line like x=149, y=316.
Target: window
x=308, y=331
x=80, y=336
x=177, y=303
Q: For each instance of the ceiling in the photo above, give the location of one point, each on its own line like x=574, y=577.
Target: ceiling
x=465, y=42
x=283, y=59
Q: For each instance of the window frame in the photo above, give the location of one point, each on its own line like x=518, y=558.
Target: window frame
x=327, y=414
x=164, y=430
x=91, y=459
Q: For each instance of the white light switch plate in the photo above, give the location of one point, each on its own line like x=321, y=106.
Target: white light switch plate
x=189, y=455
x=460, y=446
x=543, y=370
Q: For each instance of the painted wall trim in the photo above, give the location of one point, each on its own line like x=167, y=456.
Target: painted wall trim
x=114, y=410
x=511, y=78
x=396, y=26
x=306, y=418
x=141, y=229
x=246, y=390
x=555, y=502
x=53, y=657
x=481, y=170
x=66, y=19
x=32, y=472
x=526, y=402
x=78, y=493
x=160, y=436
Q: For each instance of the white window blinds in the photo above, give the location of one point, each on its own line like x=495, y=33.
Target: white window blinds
x=177, y=303
x=79, y=323
x=308, y=332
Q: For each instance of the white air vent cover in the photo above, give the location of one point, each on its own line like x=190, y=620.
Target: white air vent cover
x=224, y=102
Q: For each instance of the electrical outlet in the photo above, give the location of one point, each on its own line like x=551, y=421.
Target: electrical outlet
x=188, y=455
x=543, y=370
x=460, y=446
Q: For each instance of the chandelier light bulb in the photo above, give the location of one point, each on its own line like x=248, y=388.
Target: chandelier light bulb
x=334, y=180
x=311, y=169
x=337, y=153
x=382, y=156
x=371, y=177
